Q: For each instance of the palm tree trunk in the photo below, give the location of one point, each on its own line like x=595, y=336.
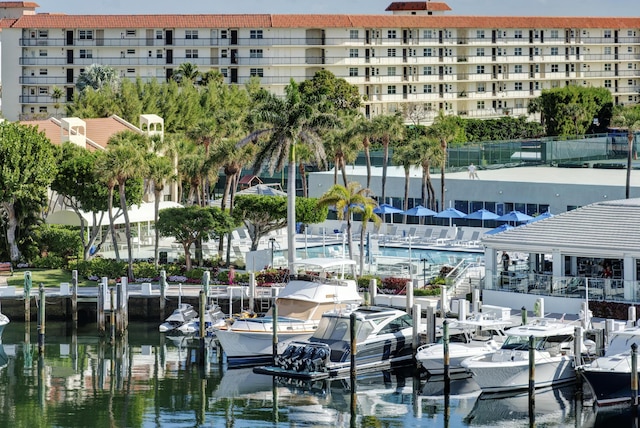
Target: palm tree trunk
x=367, y=156
x=156, y=210
x=113, y=229
x=291, y=211
x=223, y=206
x=127, y=228
x=234, y=180
x=385, y=161
x=362, y=230
x=443, y=144
x=343, y=170
x=629, y=156
x=303, y=177
x=406, y=191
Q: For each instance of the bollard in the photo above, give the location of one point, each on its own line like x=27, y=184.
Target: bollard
x=631, y=314
x=634, y=377
x=373, y=290
x=577, y=348
x=431, y=324
x=445, y=347
x=252, y=291
x=409, y=296
x=532, y=381
x=206, y=278
x=354, y=350
x=41, y=320
x=274, y=311
x=523, y=314
x=112, y=293
x=476, y=301
x=417, y=316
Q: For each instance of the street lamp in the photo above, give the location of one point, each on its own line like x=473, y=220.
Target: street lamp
x=272, y=243
x=424, y=261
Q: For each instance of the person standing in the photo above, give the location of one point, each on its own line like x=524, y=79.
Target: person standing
x=505, y=261
x=472, y=172
x=231, y=274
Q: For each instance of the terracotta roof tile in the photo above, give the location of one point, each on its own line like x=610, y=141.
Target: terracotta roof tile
x=310, y=21
x=417, y=5
x=7, y=22
x=18, y=4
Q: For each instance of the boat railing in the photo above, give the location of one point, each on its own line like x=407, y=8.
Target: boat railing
x=284, y=324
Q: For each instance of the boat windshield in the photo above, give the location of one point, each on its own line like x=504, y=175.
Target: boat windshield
x=520, y=342
x=334, y=329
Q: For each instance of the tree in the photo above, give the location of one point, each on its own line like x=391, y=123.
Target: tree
x=349, y=200
x=56, y=94
x=428, y=152
x=97, y=76
x=288, y=121
x=386, y=127
x=186, y=72
x=341, y=144
x=367, y=215
x=330, y=93
x=160, y=171
x=586, y=104
x=628, y=118
x=28, y=168
x=406, y=155
x=444, y=129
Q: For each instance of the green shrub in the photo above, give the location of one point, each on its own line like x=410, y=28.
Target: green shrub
x=364, y=280
x=49, y=262
x=98, y=267
x=145, y=270
x=195, y=273
x=428, y=291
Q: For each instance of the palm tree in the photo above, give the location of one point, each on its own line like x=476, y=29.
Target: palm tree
x=342, y=146
x=629, y=119
x=367, y=215
x=428, y=152
x=405, y=155
x=444, y=129
x=160, y=171
x=349, y=200
x=105, y=171
x=97, y=76
x=287, y=122
x=186, y=72
x=56, y=94
x=386, y=127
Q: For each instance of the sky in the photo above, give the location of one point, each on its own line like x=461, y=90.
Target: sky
x=629, y=8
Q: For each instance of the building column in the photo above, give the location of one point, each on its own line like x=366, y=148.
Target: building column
x=557, y=259
x=490, y=264
x=629, y=276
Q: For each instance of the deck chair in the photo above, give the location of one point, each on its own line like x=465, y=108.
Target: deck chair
x=452, y=241
x=474, y=241
x=441, y=237
x=428, y=233
x=411, y=234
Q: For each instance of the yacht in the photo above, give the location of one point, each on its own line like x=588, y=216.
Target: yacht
x=318, y=286
x=213, y=317
x=384, y=338
x=180, y=316
x=609, y=376
x=467, y=338
x=507, y=369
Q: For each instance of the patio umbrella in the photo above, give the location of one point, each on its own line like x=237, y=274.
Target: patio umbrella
x=420, y=211
x=384, y=209
x=450, y=213
x=515, y=216
x=482, y=215
x=542, y=216
x=499, y=229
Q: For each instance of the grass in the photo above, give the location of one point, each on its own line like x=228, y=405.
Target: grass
x=49, y=277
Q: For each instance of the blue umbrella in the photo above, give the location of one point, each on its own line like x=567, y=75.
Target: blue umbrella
x=420, y=211
x=482, y=215
x=499, y=229
x=450, y=213
x=387, y=209
x=515, y=216
x=542, y=216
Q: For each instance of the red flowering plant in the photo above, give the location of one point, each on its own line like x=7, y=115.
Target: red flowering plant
x=393, y=285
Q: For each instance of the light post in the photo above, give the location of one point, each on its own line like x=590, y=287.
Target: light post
x=272, y=243
x=424, y=261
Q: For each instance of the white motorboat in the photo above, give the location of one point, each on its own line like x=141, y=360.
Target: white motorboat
x=319, y=286
x=609, y=376
x=4, y=320
x=180, y=316
x=213, y=317
x=384, y=338
x=507, y=369
x=468, y=338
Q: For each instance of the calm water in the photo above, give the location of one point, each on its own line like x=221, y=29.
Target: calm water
x=147, y=380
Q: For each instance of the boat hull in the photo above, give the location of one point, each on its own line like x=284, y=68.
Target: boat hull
x=432, y=358
x=243, y=347
x=609, y=388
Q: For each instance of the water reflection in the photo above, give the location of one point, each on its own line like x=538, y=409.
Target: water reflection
x=148, y=380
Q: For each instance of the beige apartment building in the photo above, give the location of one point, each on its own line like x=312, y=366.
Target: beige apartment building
x=416, y=57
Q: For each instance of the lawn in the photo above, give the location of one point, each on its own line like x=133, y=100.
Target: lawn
x=49, y=277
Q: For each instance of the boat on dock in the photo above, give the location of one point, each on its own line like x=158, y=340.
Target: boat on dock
x=384, y=338
x=213, y=317
x=319, y=285
x=179, y=317
x=507, y=369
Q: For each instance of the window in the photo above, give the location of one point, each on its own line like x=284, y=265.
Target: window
x=223, y=35
x=517, y=34
x=607, y=67
x=480, y=52
x=86, y=53
x=517, y=68
x=554, y=51
x=258, y=72
x=480, y=87
x=536, y=85
x=224, y=72
x=391, y=71
x=427, y=34
x=159, y=53
x=391, y=90
x=42, y=109
x=43, y=34
x=630, y=82
x=554, y=34
x=554, y=68
x=354, y=53
x=158, y=34
x=255, y=34
x=607, y=83
x=85, y=34
x=427, y=71
x=255, y=53
x=43, y=72
x=631, y=33
x=480, y=69
x=629, y=49
x=480, y=105
x=391, y=34
x=42, y=52
x=517, y=51
x=192, y=53
x=354, y=34
x=480, y=34
x=391, y=52
x=517, y=86
x=131, y=70
x=629, y=66
x=607, y=50
x=43, y=90
x=427, y=89
x=353, y=71
x=607, y=34
x=224, y=53
x=191, y=34
x=427, y=52
x=130, y=33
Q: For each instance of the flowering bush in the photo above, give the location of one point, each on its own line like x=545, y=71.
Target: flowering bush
x=272, y=276
x=393, y=285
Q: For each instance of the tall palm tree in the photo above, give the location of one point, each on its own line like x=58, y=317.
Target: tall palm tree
x=444, y=129
x=160, y=171
x=386, y=128
x=105, y=172
x=629, y=119
x=428, y=152
x=342, y=146
x=367, y=215
x=287, y=122
x=349, y=200
x=405, y=155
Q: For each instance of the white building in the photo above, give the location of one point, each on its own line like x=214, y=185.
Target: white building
x=418, y=55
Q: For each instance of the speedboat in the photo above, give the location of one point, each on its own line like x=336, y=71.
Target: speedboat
x=213, y=317
x=4, y=320
x=609, y=376
x=507, y=369
x=467, y=338
x=384, y=338
x=318, y=286
x=180, y=316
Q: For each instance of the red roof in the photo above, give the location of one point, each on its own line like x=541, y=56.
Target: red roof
x=18, y=4
x=417, y=5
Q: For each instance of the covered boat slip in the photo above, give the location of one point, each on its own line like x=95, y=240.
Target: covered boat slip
x=590, y=253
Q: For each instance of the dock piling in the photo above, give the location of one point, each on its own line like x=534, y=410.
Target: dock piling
x=74, y=298
x=41, y=319
x=417, y=315
x=523, y=315
x=373, y=290
x=532, y=381
x=112, y=318
x=431, y=324
x=634, y=377
x=202, y=330
x=274, y=311
x=354, y=350
x=445, y=347
x=163, y=293
x=27, y=296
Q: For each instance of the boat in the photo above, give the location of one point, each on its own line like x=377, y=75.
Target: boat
x=4, y=320
x=213, y=317
x=507, y=369
x=319, y=285
x=384, y=339
x=180, y=316
x=609, y=376
x=467, y=338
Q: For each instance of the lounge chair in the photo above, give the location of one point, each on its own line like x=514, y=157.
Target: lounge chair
x=474, y=241
x=441, y=237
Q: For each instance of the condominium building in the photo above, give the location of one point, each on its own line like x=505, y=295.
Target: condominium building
x=417, y=57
